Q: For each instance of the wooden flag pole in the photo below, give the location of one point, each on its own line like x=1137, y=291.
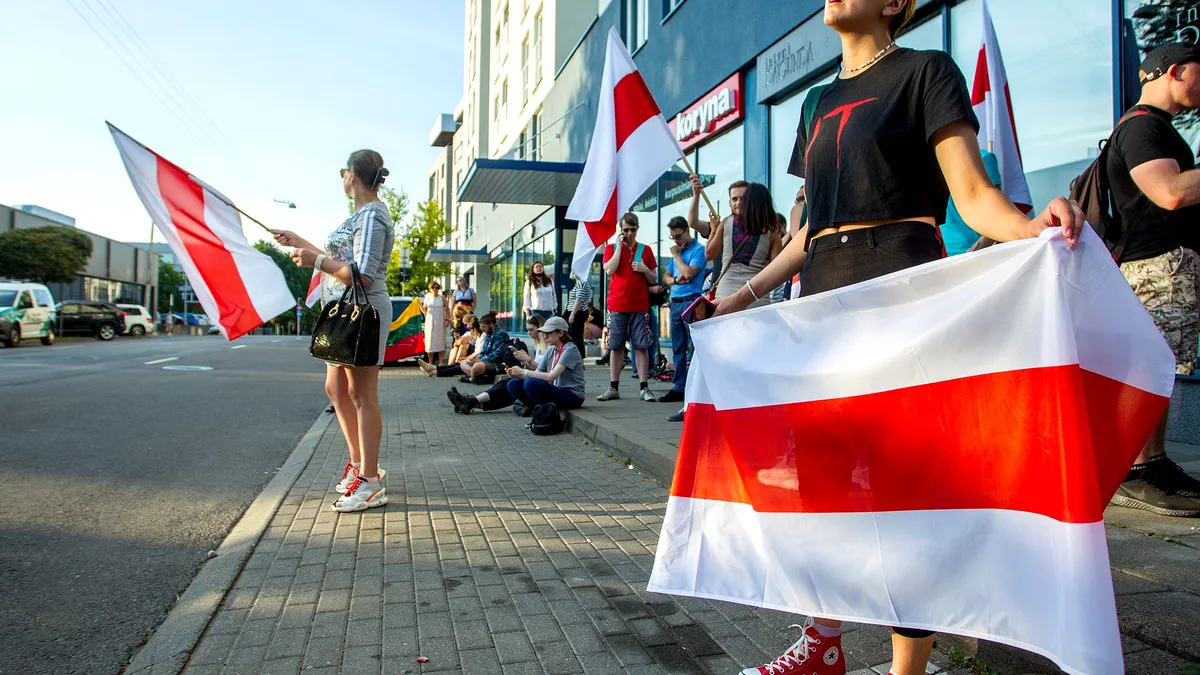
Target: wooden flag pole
x=230, y=204
x=688, y=165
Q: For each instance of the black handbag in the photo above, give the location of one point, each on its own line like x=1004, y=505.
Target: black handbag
x=347, y=331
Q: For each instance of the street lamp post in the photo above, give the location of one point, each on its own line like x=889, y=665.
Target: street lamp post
x=405, y=264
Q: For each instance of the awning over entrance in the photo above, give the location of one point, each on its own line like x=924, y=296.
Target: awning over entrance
x=454, y=255
x=515, y=181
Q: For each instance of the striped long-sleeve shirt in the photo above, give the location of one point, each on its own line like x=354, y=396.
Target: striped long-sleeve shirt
x=581, y=293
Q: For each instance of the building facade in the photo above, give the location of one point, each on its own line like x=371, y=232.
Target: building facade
x=116, y=272
x=730, y=76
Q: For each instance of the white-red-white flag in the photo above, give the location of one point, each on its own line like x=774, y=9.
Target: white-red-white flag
x=993, y=106
x=314, y=289
x=631, y=147
x=238, y=286
x=935, y=451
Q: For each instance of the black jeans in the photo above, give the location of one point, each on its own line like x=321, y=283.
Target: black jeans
x=577, y=327
x=845, y=258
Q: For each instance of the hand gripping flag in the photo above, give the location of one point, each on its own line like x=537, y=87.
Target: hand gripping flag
x=631, y=147
x=993, y=106
x=931, y=449
x=238, y=286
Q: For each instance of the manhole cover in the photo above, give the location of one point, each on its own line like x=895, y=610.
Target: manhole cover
x=186, y=368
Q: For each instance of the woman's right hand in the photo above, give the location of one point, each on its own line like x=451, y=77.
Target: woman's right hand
x=734, y=303
x=287, y=238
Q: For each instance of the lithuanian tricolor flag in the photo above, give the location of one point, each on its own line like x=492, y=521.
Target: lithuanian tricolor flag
x=406, y=337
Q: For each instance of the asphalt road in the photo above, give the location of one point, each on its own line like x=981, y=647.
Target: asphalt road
x=121, y=475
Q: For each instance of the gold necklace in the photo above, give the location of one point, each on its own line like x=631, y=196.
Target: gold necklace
x=870, y=63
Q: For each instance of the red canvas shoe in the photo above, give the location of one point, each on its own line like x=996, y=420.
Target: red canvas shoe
x=812, y=654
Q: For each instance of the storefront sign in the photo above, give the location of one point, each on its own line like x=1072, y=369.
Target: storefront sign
x=718, y=109
x=803, y=52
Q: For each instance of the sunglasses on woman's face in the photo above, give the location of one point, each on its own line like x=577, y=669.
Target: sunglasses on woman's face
x=342, y=172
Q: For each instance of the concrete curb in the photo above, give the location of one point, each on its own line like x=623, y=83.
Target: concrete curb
x=171, y=645
x=652, y=457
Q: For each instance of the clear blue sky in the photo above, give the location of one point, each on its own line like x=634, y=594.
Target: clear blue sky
x=291, y=87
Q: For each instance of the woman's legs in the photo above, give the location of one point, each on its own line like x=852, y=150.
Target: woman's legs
x=337, y=388
x=364, y=393
x=495, y=398
x=910, y=654
x=516, y=389
x=537, y=392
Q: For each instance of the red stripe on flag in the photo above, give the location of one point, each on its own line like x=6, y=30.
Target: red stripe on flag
x=632, y=106
x=603, y=230
x=1022, y=440
x=1012, y=122
x=982, y=84
x=184, y=199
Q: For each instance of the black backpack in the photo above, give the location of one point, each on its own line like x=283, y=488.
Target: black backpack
x=1094, y=196
x=547, y=420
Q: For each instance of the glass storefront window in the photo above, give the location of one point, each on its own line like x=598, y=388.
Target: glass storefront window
x=925, y=36
x=1150, y=23
x=724, y=160
x=1061, y=110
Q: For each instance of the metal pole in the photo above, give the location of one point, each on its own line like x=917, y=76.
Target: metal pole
x=151, y=284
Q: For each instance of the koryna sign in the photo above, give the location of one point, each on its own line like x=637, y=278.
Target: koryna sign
x=716, y=110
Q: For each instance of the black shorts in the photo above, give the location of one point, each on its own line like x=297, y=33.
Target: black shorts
x=845, y=258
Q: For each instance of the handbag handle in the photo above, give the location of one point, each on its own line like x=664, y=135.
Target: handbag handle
x=356, y=286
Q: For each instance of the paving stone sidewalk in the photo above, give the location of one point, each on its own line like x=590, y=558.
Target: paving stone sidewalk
x=502, y=552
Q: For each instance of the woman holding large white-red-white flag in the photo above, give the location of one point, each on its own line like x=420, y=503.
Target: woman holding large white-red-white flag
x=874, y=207
x=365, y=240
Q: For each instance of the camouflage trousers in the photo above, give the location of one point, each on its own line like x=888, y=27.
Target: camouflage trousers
x=1169, y=287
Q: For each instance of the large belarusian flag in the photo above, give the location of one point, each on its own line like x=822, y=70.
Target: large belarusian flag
x=406, y=337
x=931, y=449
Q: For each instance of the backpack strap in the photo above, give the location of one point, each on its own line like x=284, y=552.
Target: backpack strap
x=637, y=253
x=808, y=109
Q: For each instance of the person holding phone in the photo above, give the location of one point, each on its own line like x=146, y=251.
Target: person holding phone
x=893, y=137
x=631, y=270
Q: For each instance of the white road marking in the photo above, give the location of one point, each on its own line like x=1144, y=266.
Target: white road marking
x=238, y=347
x=151, y=363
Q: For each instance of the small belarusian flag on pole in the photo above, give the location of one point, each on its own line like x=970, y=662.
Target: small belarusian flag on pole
x=993, y=106
x=314, y=289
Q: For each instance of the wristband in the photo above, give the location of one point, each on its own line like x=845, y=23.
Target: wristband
x=752, y=293
x=319, y=261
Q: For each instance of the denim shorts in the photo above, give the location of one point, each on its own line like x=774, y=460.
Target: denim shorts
x=845, y=258
x=629, y=327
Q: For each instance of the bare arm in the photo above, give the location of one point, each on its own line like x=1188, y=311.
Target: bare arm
x=982, y=205
x=712, y=248
x=1167, y=186
x=694, y=222
x=686, y=271
x=776, y=246
x=611, y=265
x=789, y=261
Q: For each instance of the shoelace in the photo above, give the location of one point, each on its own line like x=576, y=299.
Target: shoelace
x=796, y=655
x=346, y=471
x=353, y=486
x=1176, y=477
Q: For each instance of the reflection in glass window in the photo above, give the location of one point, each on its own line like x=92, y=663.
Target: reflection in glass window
x=1153, y=23
x=925, y=36
x=1061, y=110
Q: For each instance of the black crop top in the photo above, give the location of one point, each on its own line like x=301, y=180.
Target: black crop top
x=870, y=156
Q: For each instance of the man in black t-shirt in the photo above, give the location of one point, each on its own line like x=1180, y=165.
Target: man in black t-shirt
x=1156, y=188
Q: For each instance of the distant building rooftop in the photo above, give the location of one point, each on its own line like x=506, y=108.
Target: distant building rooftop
x=47, y=214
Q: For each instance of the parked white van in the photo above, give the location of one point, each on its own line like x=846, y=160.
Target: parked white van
x=26, y=311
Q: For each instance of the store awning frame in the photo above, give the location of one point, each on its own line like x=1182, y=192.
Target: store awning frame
x=516, y=181
x=454, y=255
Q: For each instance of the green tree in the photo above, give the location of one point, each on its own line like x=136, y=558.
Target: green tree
x=428, y=227
x=46, y=254
x=170, y=285
x=297, y=280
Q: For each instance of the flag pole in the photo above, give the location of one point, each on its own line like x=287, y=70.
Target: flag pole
x=230, y=204
x=688, y=165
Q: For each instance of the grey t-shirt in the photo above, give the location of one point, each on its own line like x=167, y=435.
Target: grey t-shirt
x=572, y=378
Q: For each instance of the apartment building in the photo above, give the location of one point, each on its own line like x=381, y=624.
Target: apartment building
x=512, y=51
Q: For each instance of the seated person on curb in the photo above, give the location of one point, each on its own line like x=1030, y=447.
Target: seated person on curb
x=465, y=343
x=558, y=379
x=493, y=357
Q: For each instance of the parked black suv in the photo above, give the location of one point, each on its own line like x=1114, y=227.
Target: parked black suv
x=84, y=317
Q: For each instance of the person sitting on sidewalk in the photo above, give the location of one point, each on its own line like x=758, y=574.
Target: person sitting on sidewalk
x=629, y=305
x=464, y=343
x=558, y=379
x=1156, y=187
x=488, y=360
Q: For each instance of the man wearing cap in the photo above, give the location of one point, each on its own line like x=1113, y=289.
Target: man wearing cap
x=1156, y=188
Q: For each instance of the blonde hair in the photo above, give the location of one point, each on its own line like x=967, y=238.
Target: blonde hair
x=901, y=20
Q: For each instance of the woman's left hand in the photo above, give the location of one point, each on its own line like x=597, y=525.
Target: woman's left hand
x=1060, y=212
x=516, y=373
x=304, y=257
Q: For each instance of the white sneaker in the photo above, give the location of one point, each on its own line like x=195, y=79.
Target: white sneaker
x=647, y=396
x=348, y=476
x=361, y=496
x=610, y=395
